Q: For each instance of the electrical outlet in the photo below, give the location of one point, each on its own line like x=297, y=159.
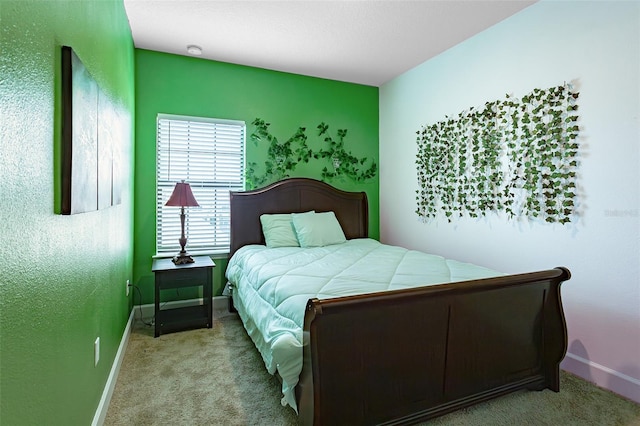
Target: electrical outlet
x=96, y=351
x=127, y=285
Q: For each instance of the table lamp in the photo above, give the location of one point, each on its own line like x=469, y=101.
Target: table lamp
x=182, y=197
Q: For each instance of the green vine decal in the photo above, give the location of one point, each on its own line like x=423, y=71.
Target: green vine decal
x=514, y=156
x=283, y=157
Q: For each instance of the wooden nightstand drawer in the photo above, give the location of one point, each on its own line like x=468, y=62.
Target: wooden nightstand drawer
x=182, y=278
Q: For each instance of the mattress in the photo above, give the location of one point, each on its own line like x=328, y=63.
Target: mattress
x=271, y=287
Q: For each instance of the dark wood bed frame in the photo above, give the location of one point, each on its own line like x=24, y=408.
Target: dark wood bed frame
x=401, y=357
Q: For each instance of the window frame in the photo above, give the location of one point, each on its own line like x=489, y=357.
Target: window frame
x=177, y=163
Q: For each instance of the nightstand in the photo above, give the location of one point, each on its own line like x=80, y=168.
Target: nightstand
x=171, y=276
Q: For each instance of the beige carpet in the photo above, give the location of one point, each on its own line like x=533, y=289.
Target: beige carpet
x=216, y=377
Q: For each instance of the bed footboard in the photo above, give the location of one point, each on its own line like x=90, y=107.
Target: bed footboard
x=409, y=355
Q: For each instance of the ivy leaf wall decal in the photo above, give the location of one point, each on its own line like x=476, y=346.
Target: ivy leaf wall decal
x=283, y=158
x=513, y=156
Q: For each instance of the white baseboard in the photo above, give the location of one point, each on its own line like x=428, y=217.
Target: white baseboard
x=604, y=377
x=103, y=406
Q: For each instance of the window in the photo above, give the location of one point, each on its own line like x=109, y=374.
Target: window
x=209, y=155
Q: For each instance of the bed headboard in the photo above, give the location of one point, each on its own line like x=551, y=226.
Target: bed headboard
x=295, y=195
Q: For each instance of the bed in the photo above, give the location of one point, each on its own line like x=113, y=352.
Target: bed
x=397, y=353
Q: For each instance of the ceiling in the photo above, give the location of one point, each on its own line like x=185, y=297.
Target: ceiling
x=359, y=41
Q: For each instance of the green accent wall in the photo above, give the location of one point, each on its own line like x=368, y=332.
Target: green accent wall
x=183, y=85
x=63, y=277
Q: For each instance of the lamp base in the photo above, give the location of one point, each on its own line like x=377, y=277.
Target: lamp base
x=182, y=258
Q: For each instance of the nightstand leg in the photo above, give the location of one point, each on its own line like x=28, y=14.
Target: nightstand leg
x=157, y=308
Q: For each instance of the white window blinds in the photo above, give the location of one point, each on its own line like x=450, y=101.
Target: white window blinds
x=209, y=155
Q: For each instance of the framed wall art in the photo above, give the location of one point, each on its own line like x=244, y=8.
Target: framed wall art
x=90, y=148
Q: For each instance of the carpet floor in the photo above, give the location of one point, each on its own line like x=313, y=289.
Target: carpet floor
x=217, y=377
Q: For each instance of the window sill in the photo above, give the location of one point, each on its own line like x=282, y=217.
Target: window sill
x=211, y=253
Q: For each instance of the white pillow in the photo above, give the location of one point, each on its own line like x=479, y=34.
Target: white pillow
x=278, y=230
x=318, y=230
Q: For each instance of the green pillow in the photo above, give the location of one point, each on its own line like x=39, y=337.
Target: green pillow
x=278, y=230
x=318, y=230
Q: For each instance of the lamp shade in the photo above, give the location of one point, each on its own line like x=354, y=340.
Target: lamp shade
x=182, y=196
